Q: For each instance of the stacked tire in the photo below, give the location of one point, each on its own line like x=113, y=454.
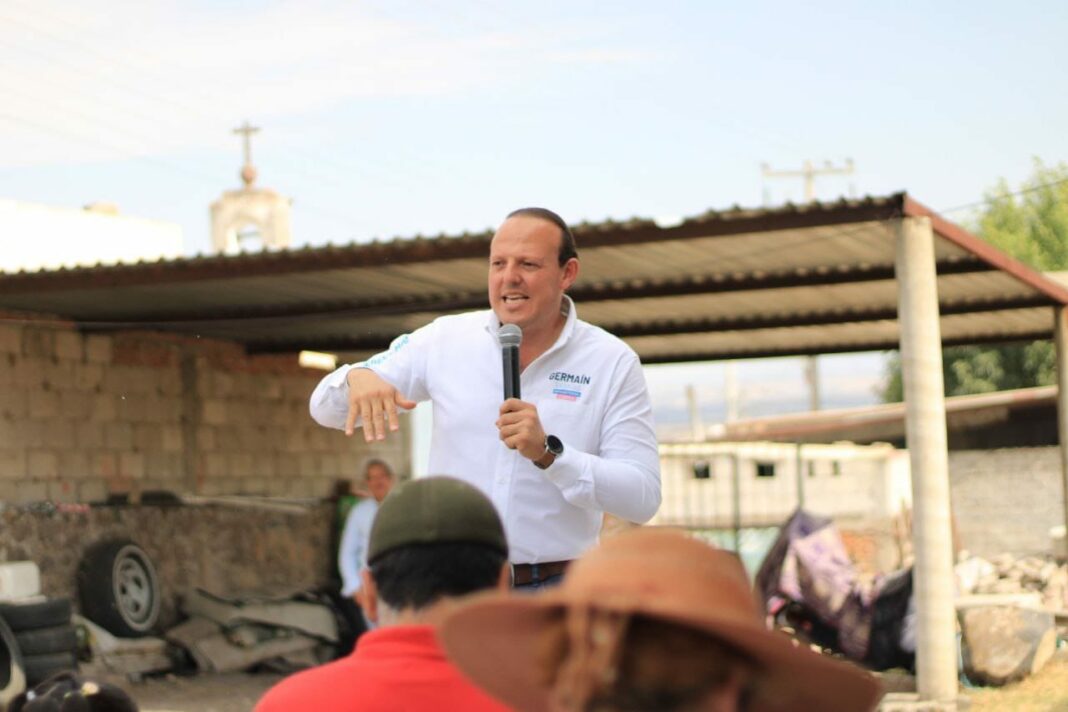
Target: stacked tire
x=44, y=640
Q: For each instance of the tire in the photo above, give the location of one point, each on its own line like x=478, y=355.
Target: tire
x=118, y=588
x=41, y=667
x=42, y=614
x=42, y=641
x=12, y=674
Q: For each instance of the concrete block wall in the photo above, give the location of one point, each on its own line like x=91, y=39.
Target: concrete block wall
x=1006, y=500
x=86, y=416
x=227, y=550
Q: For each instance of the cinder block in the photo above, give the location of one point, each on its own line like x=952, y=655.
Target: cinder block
x=39, y=342
x=92, y=491
x=70, y=346
x=172, y=439
x=12, y=464
x=27, y=491
x=14, y=403
x=76, y=405
x=206, y=439
x=58, y=375
x=10, y=339
x=263, y=466
x=132, y=465
x=130, y=408
x=63, y=491
x=215, y=466
x=98, y=348
x=73, y=465
x=103, y=408
x=240, y=465
x=89, y=435
x=148, y=437
x=213, y=412
x=30, y=373
x=170, y=382
x=88, y=376
x=44, y=405
x=42, y=465
x=12, y=433
x=118, y=436
x=105, y=465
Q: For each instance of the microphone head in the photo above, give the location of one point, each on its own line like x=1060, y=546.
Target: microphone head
x=509, y=335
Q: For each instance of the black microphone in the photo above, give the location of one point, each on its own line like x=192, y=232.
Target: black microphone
x=510, y=335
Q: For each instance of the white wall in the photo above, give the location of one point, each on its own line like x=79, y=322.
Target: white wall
x=867, y=481
x=34, y=237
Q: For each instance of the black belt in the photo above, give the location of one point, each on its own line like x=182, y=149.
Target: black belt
x=523, y=574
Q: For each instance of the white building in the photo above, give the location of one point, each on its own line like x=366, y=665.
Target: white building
x=35, y=237
x=704, y=484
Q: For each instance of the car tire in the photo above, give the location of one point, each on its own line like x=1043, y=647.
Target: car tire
x=41, y=667
x=118, y=588
x=12, y=674
x=40, y=614
x=42, y=641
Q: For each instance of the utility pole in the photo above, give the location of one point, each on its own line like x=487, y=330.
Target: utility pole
x=808, y=173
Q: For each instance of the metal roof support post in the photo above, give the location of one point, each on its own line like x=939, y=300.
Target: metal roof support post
x=1060, y=334
x=925, y=432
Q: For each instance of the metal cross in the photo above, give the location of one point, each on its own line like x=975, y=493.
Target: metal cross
x=245, y=131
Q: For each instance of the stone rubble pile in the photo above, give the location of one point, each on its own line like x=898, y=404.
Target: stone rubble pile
x=1009, y=608
x=1009, y=574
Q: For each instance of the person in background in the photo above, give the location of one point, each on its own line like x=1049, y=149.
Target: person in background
x=433, y=540
x=652, y=620
x=352, y=550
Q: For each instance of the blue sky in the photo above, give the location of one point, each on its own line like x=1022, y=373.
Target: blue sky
x=396, y=118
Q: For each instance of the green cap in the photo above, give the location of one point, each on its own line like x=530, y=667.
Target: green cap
x=435, y=510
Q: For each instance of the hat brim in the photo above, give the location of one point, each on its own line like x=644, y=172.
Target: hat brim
x=493, y=639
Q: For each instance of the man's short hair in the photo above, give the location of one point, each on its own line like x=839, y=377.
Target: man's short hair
x=418, y=575
x=371, y=462
x=434, y=537
x=567, y=239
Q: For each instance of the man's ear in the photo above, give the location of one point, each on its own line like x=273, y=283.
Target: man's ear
x=571, y=271
x=504, y=581
x=370, y=596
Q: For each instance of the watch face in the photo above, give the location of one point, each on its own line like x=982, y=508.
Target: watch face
x=554, y=445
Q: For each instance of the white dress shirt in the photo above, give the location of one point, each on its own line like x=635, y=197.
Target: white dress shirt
x=589, y=391
x=352, y=554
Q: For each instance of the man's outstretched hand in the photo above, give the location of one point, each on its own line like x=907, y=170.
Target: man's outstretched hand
x=375, y=401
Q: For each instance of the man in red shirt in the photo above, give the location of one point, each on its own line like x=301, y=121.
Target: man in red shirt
x=432, y=541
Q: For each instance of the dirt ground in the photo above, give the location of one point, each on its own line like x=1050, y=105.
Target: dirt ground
x=232, y=692
x=237, y=692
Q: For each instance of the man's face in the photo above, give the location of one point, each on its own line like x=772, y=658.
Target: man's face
x=379, y=482
x=526, y=281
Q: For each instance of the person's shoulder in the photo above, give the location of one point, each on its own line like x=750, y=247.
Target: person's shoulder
x=304, y=691
x=606, y=343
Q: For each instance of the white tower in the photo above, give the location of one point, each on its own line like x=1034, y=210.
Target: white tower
x=249, y=218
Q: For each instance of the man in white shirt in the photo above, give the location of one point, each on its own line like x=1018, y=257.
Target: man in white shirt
x=352, y=553
x=580, y=442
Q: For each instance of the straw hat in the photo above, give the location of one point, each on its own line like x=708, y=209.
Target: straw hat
x=659, y=574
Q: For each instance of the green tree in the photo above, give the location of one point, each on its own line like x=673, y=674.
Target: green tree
x=1032, y=226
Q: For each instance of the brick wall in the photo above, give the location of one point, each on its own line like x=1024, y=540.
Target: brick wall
x=1006, y=500
x=83, y=417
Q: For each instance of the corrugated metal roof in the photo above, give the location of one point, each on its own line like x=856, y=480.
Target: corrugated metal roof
x=811, y=278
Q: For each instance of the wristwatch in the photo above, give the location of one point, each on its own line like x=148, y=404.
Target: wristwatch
x=554, y=448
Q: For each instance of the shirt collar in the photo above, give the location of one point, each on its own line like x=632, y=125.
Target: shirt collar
x=567, y=307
